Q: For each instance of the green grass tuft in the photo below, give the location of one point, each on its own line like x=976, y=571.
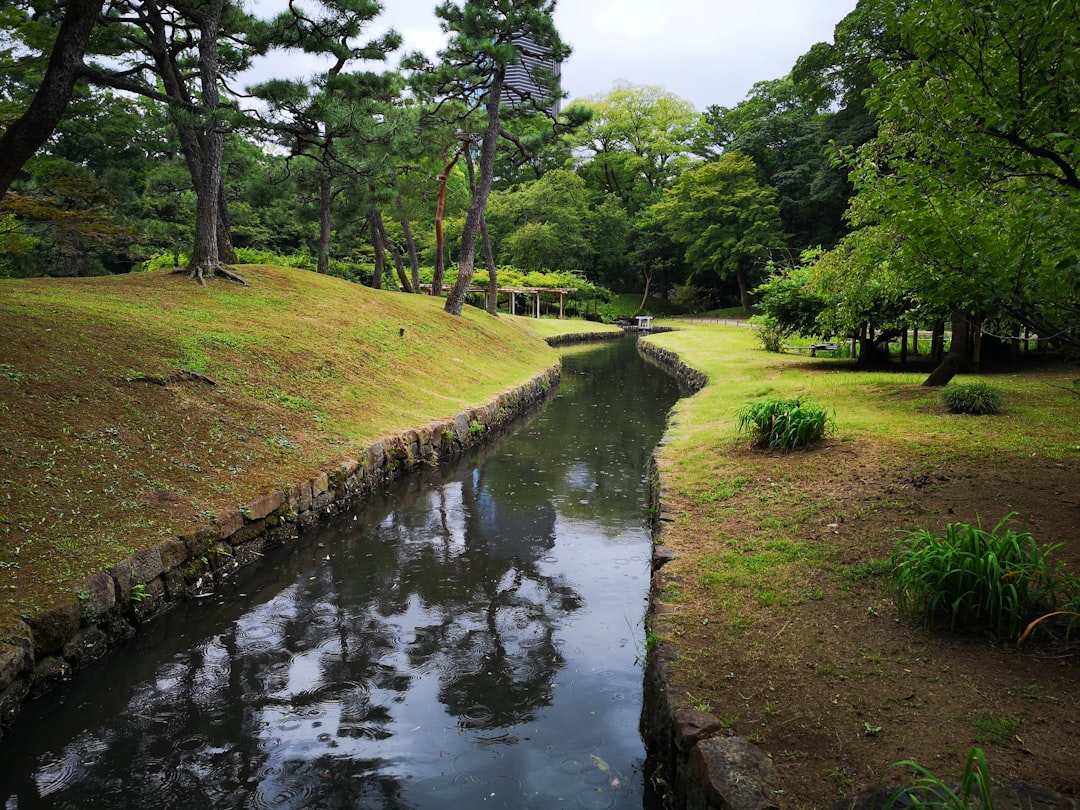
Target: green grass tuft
x=783, y=424
x=977, y=398
x=971, y=577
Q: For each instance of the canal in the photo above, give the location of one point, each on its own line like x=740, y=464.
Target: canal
x=472, y=638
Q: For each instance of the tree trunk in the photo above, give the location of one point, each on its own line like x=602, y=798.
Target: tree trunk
x=976, y=346
x=205, y=260
x=489, y=257
x=744, y=293
x=326, y=201
x=226, y=251
x=210, y=141
x=395, y=254
x=410, y=244
x=26, y=134
x=954, y=359
x=937, y=342
x=647, y=273
x=440, y=208
x=456, y=300
x=380, y=259
x=493, y=272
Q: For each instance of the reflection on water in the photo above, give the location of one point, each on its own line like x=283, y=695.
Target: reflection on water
x=471, y=640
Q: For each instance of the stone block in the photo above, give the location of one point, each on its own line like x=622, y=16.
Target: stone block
x=100, y=593
x=48, y=674
x=89, y=645
x=146, y=564
x=198, y=541
x=730, y=773
x=303, y=496
x=374, y=461
x=173, y=553
x=251, y=530
x=263, y=507
x=11, y=700
x=16, y=660
x=54, y=627
x=151, y=600
x=229, y=522
x=121, y=574
x=320, y=484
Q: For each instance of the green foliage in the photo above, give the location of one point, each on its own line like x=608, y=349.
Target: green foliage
x=971, y=577
x=928, y=791
x=771, y=334
x=789, y=301
x=783, y=424
x=977, y=398
x=728, y=223
x=625, y=306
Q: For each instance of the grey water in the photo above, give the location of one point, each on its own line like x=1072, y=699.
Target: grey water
x=473, y=638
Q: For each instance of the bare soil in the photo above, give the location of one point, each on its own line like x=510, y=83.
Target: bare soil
x=820, y=669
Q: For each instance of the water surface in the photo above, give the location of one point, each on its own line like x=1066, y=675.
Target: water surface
x=471, y=639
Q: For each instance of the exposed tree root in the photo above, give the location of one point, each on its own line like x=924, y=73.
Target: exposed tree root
x=203, y=273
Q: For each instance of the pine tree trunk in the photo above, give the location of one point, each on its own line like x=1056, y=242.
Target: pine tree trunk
x=205, y=260
x=23, y=136
x=226, y=251
x=395, y=253
x=493, y=272
x=456, y=300
x=380, y=256
x=326, y=200
x=410, y=246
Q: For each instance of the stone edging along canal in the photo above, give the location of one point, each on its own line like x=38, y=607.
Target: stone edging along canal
x=39, y=652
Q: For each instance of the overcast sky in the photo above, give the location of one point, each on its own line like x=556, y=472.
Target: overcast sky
x=705, y=51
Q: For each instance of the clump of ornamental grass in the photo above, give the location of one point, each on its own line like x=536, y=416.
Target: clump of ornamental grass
x=783, y=424
x=928, y=791
x=969, y=577
x=977, y=398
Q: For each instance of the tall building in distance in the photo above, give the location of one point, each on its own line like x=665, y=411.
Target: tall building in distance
x=523, y=83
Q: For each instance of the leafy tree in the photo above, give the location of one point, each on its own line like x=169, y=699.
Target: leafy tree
x=310, y=117
x=992, y=87
x=728, y=222
x=637, y=140
x=485, y=40
x=29, y=130
x=969, y=181
x=542, y=225
x=791, y=142
x=179, y=55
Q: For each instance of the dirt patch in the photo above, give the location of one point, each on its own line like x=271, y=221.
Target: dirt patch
x=804, y=652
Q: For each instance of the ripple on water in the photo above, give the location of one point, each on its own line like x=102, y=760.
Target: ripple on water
x=59, y=773
x=275, y=793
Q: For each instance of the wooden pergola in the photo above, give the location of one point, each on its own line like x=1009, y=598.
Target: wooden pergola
x=512, y=292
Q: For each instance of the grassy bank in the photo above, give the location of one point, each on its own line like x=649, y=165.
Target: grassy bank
x=133, y=407
x=783, y=623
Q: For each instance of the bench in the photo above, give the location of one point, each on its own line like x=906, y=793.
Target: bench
x=814, y=348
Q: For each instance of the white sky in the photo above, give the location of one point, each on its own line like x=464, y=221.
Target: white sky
x=705, y=51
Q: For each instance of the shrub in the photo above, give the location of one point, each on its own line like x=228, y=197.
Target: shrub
x=783, y=424
x=771, y=334
x=971, y=577
x=976, y=398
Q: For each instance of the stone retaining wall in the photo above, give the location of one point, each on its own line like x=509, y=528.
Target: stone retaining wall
x=584, y=337
x=39, y=652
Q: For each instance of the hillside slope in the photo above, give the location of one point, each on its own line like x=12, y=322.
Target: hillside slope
x=133, y=407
